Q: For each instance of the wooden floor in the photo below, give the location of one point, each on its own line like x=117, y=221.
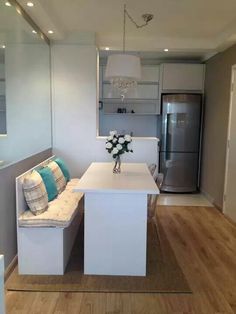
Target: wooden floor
x=205, y=246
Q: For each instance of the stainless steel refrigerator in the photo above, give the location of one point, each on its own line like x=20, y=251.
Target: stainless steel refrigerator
x=180, y=142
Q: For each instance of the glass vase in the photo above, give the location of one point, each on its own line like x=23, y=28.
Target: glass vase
x=116, y=168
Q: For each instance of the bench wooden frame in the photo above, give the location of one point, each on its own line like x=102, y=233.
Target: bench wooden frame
x=43, y=250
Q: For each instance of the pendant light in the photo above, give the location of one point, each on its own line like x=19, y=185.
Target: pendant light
x=124, y=70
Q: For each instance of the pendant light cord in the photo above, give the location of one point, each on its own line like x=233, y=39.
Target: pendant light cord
x=147, y=17
x=124, y=25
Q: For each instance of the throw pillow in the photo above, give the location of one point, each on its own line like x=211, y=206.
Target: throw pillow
x=49, y=181
x=63, y=167
x=35, y=193
x=58, y=176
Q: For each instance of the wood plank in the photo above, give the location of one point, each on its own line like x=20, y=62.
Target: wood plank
x=204, y=243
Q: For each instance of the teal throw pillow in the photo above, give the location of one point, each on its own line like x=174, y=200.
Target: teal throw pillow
x=63, y=167
x=49, y=181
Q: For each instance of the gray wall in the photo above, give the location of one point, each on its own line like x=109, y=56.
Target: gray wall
x=8, y=245
x=217, y=89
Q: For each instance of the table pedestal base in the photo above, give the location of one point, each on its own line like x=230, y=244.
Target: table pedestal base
x=115, y=234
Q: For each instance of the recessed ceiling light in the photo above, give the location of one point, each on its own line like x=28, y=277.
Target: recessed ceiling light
x=107, y=48
x=33, y=31
x=30, y=4
x=7, y=4
x=50, y=32
x=18, y=10
x=166, y=49
x=3, y=46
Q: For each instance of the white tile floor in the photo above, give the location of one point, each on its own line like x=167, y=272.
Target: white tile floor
x=183, y=200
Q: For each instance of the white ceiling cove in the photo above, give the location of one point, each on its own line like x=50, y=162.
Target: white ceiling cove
x=201, y=27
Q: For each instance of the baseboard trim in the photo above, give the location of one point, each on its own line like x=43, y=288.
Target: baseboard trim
x=218, y=207
x=207, y=196
x=212, y=200
x=10, y=268
x=230, y=220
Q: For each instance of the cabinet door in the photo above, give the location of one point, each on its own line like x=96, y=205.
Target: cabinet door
x=150, y=73
x=182, y=76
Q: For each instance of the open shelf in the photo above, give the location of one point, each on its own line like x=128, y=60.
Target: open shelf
x=131, y=114
x=139, y=108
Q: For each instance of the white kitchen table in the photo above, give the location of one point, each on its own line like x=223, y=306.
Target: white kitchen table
x=115, y=234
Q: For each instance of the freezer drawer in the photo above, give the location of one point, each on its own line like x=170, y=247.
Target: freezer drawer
x=180, y=171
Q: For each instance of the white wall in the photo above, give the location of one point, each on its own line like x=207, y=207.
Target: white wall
x=217, y=90
x=2, y=292
x=2, y=70
x=74, y=76
x=28, y=108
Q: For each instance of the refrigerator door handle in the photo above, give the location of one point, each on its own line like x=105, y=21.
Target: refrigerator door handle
x=164, y=130
x=168, y=115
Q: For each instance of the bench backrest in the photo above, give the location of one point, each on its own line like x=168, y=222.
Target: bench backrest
x=21, y=205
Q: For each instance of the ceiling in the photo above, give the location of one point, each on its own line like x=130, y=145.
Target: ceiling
x=186, y=27
x=14, y=28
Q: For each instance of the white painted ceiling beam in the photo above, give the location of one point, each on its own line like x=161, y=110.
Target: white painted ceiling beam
x=40, y=13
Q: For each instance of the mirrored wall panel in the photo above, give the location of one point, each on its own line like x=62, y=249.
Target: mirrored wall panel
x=25, y=101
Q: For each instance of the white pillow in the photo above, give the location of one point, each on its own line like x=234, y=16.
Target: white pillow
x=35, y=193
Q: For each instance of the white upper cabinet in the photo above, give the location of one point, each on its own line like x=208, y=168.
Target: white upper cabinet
x=147, y=88
x=150, y=73
x=179, y=76
x=142, y=99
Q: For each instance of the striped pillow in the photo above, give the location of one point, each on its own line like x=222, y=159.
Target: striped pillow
x=35, y=193
x=58, y=176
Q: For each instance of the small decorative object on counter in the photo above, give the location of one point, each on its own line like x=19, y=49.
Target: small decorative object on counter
x=117, y=145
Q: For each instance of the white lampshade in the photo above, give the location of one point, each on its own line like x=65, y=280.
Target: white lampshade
x=123, y=66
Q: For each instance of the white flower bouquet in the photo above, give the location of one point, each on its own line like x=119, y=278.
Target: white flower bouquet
x=117, y=144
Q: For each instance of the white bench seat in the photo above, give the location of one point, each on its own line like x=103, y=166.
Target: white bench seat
x=45, y=241
x=60, y=213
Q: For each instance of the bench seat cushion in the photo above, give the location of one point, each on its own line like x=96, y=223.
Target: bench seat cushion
x=60, y=213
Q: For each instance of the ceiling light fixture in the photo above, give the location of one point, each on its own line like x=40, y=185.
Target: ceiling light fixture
x=18, y=10
x=30, y=4
x=166, y=49
x=107, y=48
x=50, y=32
x=33, y=31
x=3, y=46
x=124, y=70
x=7, y=4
